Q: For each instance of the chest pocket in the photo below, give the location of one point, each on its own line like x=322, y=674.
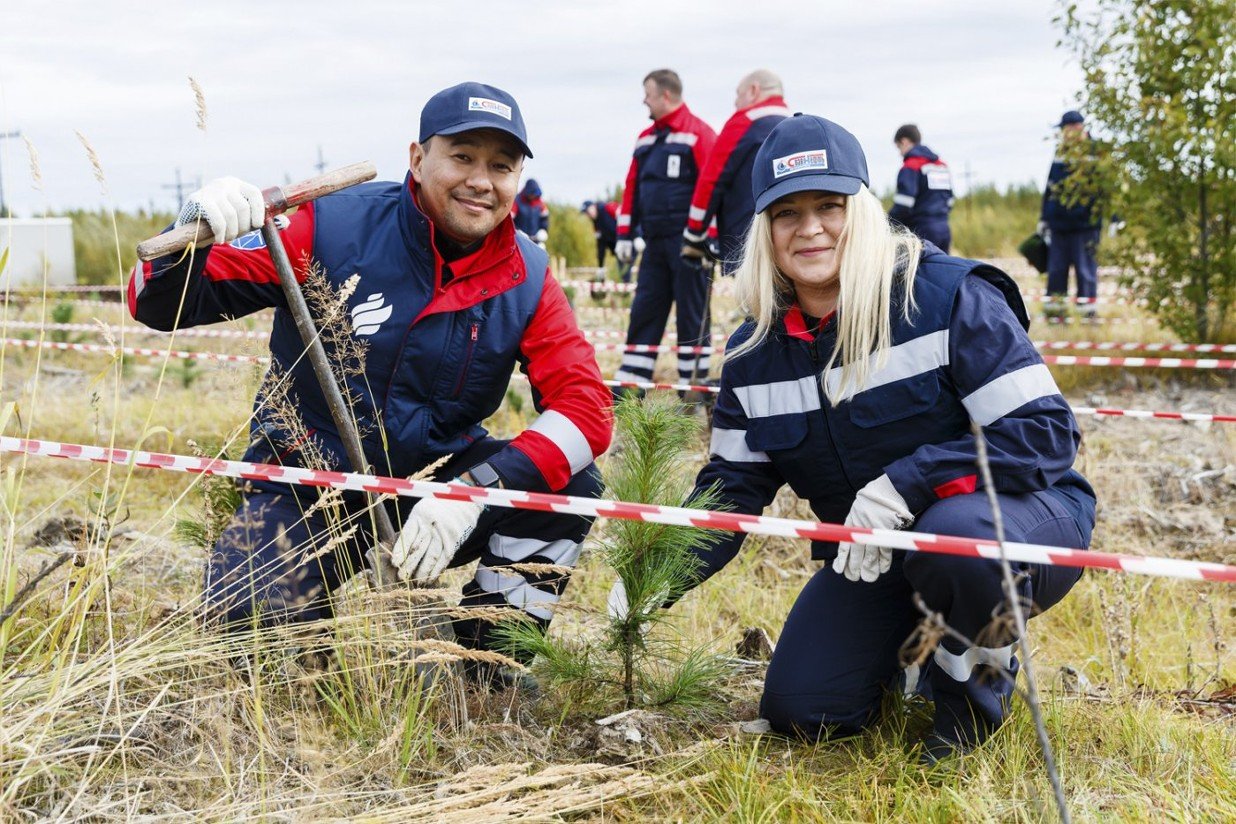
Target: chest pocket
x=895, y=401
x=776, y=433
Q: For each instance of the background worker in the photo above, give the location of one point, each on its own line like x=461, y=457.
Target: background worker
x=724, y=188
x=665, y=166
x=1070, y=223
x=604, y=217
x=448, y=298
x=924, y=195
x=531, y=214
x=861, y=400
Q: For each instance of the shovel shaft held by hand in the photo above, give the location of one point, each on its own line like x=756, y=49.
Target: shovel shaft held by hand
x=321, y=368
x=278, y=200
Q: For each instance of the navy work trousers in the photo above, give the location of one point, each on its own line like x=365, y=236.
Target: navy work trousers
x=281, y=557
x=665, y=278
x=1076, y=249
x=839, y=649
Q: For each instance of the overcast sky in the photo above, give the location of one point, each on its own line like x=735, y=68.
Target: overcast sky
x=983, y=80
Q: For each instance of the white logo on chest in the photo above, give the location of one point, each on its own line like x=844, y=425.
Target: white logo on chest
x=369, y=316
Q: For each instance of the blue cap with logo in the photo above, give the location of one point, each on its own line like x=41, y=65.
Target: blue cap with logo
x=805, y=153
x=471, y=106
x=1070, y=117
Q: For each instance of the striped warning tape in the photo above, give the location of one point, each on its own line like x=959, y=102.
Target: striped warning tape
x=678, y=516
x=224, y=357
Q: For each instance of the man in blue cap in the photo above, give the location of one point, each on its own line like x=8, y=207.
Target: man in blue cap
x=1069, y=223
x=435, y=297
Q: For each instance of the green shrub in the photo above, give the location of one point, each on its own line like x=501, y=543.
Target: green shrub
x=96, y=240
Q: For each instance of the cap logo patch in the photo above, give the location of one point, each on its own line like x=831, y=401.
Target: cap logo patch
x=484, y=104
x=799, y=161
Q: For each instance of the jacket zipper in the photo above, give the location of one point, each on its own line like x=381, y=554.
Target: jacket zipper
x=472, y=336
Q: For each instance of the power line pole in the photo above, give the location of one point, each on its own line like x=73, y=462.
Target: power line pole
x=179, y=186
x=321, y=164
x=4, y=208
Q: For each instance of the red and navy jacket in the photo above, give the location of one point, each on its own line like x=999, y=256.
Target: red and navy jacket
x=606, y=223
x=441, y=339
x=724, y=188
x=665, y=166
x=924, y=190
x=965, y=354
x=530, y=212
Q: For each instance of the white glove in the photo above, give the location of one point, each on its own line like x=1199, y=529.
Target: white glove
x=231, y=207
x=541, y=236
x=639, y=245
x=616, y=605
x=1114, y=228
x=878, y=506
x=431, y=536
x=1042, y=231
x=624, y=250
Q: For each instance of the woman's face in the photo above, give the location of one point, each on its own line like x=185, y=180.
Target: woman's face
x=805, y=229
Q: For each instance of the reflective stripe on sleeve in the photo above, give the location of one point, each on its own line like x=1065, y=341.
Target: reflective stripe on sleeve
x=697, y=213
x=731, y=445
x=566, y=436
x=903, y=200
x=517, y=592
x=997, y=398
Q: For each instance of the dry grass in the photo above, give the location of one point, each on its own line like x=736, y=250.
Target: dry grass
x=117, y=705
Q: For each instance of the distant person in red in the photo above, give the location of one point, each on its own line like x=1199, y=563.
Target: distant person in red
x=604, y=217
x=723, y=191
x=924, y=194
x=531, y=214
x=666, y=164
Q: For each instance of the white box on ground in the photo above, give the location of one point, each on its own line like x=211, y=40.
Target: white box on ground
x=34, y=245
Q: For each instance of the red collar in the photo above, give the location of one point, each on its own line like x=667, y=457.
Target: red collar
x=796, y=324
x=775, y=100
x=674, y=120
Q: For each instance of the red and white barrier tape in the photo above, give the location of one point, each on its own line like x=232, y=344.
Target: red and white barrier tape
x=241, y=334
x=1133, y=346
x=680, y=387
x=679, y=516
x=64, y=289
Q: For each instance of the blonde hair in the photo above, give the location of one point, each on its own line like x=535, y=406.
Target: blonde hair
x=875, y=255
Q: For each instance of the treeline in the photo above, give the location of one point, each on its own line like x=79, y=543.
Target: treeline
x=988, y=222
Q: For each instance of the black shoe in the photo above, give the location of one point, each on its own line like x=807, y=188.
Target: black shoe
x=938, y=749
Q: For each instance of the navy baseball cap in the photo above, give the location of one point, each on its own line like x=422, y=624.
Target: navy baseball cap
x=1070, y=117
x=805, y=153
x=471, y=106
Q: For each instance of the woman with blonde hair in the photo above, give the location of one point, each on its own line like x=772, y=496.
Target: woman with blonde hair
x=866, y=356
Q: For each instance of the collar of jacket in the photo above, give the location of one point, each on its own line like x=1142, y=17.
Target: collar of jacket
x=767, y=102
x=490, y=270
x=675, y=121
x=796, y=324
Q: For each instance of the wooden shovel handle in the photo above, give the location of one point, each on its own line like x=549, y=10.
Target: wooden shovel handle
x=278, y=200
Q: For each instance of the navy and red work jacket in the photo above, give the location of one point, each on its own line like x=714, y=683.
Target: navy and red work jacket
x=924, y=190
x=441, y=339
x=1079, y=216
x=530, y=212
x=964, y=354
x=724, y=188
x=665, y=166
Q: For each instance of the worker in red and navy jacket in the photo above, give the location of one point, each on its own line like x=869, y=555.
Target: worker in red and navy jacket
x=604, y=217
x=669, y=156
x=924, y=195
x=443, y=298
x=723, y=192
x=531, y=214
x=882, y=440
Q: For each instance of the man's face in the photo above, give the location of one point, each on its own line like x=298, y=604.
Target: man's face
x=467, y=182
x=903, y=144
x=656, y=100
x=591, y=211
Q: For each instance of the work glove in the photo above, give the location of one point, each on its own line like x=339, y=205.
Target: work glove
x=230, y=206
x=435, y=530
x=624, y=250
x=1042, y=231
x=1114, y=228
x=639, y=245
x=541, y=236
x=696, y=248
x=878, y=506
x=617, y=607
